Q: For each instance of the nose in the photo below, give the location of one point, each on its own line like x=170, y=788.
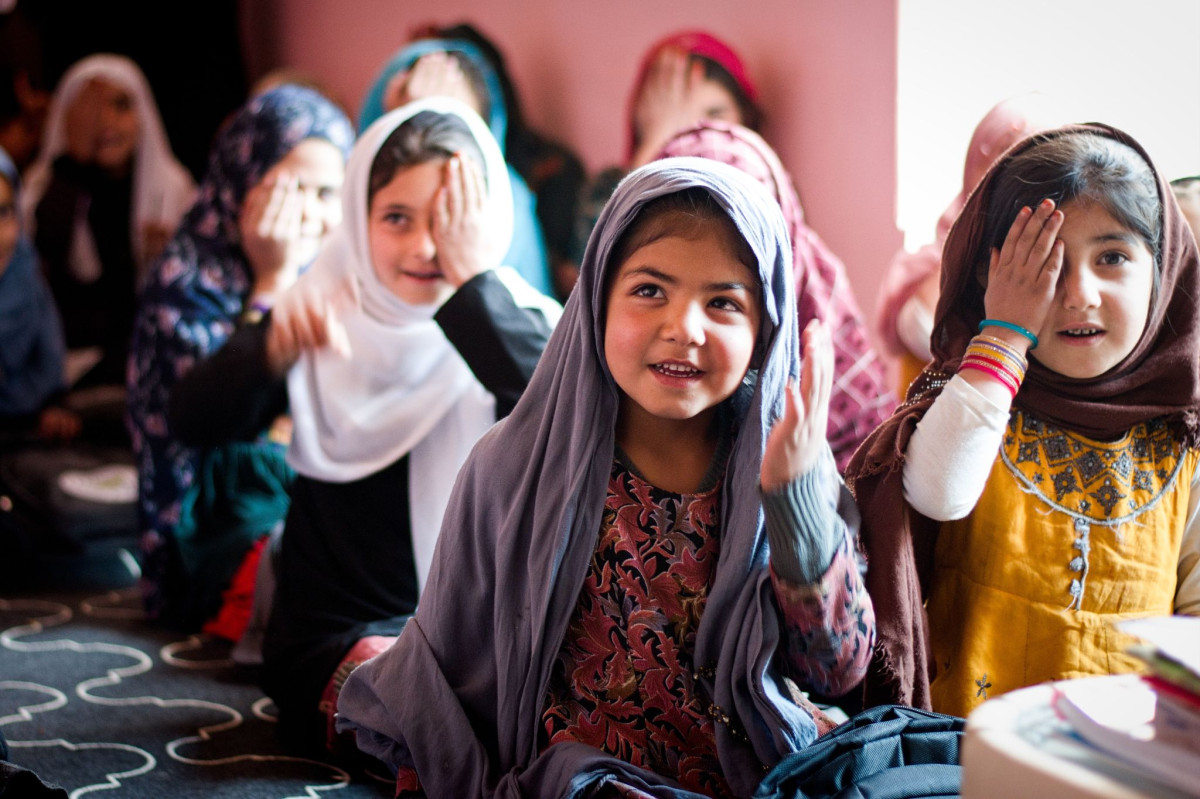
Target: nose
x=424, y=247
x=684, y=324
x=1079, y=287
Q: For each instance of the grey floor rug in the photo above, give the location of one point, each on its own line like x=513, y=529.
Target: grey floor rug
x=96, y=700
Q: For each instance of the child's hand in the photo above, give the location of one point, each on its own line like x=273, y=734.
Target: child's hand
x=59, y=424
x=666, y=103
x=305, y=318
x=434, y=75
x=83, y=123
x=462, y=229
x=275, y=238
x=1023, y=274
x=794, y=444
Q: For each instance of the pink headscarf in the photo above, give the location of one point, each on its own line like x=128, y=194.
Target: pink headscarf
x=860, y=399
x=1007, y=123
x=696, y=43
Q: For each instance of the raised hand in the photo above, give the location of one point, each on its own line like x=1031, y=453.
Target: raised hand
x=665, y=104
x=796, y=439
x=435, y=74
x=1023, y=274
x=463, y=232
x=305, y=318
x=274, y=235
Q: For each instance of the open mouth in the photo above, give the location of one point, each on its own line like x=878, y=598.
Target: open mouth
x=680, y=371
x=1082, y=332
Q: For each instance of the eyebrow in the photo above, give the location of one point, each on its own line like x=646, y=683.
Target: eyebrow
x=650, y=271
x=1122, y=236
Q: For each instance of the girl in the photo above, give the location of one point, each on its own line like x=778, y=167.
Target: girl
x=684, y=78
x=395, y=352
x=103, y=199
x=456, y=68
x=1041, y=482
x=31, y=340
x=860, y=399
x=602, y=608
x=270, y=195
x=909, y=292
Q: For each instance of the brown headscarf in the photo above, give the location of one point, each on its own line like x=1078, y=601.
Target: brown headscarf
x=1160, y=378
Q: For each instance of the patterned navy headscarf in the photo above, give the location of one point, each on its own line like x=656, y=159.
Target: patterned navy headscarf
x=195, y=292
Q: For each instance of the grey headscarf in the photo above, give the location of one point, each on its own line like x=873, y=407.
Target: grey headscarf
x=461, y=693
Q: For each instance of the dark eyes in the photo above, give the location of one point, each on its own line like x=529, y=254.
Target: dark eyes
x=1113, y=258
x=326, y=193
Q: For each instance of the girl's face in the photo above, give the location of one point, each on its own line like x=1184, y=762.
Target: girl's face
x=309, y=182
x=117, y=126
x=400, y=230
x=1103, y=296
x=10, y=228
x=711, y=100
x=682, y=318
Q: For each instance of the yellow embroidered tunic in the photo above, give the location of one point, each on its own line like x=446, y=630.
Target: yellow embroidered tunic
x=1069, y=536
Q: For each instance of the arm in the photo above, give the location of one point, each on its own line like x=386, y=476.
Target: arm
x=500, y=341
x=1187, y=591
x=827, y=616
x=951, y=453
x=231, y=395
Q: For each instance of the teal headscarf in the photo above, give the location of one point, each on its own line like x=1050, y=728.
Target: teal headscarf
x=527, y=253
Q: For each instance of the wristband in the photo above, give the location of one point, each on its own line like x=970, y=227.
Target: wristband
x=1033, y=340
x=254, y=312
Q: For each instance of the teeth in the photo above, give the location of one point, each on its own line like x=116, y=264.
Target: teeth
x=676, y=369
x=1083, y=331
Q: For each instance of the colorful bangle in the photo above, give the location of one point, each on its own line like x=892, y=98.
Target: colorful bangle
x=995, y=373
x=1015, y=367
x=254, y=312
x=994, y=344
x=1033, y=340
x=1012, y=376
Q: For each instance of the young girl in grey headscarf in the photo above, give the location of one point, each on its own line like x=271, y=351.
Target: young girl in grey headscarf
x=607, y=605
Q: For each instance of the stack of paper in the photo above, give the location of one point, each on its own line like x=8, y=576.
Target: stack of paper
x=1150, y=722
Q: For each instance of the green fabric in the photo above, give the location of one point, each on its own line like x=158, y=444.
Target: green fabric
x=240, y=493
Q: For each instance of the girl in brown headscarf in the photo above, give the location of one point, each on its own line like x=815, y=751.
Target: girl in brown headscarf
x=1040, y=482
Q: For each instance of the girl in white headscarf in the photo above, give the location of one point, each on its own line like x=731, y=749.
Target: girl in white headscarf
x=402, y=344
x=102, y=200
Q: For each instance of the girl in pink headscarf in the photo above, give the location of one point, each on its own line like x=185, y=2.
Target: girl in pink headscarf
x=684, y=78
x=861, y=398
x=910, y=286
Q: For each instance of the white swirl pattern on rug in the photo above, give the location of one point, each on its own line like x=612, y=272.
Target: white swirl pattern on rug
x=180, y=722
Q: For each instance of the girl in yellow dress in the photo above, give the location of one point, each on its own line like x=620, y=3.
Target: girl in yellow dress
x=1040, y=484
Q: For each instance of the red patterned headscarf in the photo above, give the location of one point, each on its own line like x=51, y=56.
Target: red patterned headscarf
x=861, y=399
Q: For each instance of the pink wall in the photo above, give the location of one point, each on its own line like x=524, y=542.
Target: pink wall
x=826, y=71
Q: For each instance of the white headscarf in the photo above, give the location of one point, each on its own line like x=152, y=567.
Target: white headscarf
x=405, y=389
x=163, y=189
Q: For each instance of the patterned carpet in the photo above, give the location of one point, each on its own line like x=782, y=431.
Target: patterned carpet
x=96, y=700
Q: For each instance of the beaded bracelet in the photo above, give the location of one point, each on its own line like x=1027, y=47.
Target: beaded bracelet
x=999, y=346
x=1006, y=362
x=1033, y=340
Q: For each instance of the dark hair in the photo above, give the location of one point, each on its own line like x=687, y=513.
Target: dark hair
x=425, y=136
x=1077, y=166
x=688, y=214
x=752, y=116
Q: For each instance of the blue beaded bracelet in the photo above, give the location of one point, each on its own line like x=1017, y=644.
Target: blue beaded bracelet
x=1033, y=340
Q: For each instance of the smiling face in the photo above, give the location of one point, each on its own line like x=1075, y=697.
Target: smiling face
x=318, y=170
x=682, y=318
x=400, y=230
x=1103, y=296
x=117, y=126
